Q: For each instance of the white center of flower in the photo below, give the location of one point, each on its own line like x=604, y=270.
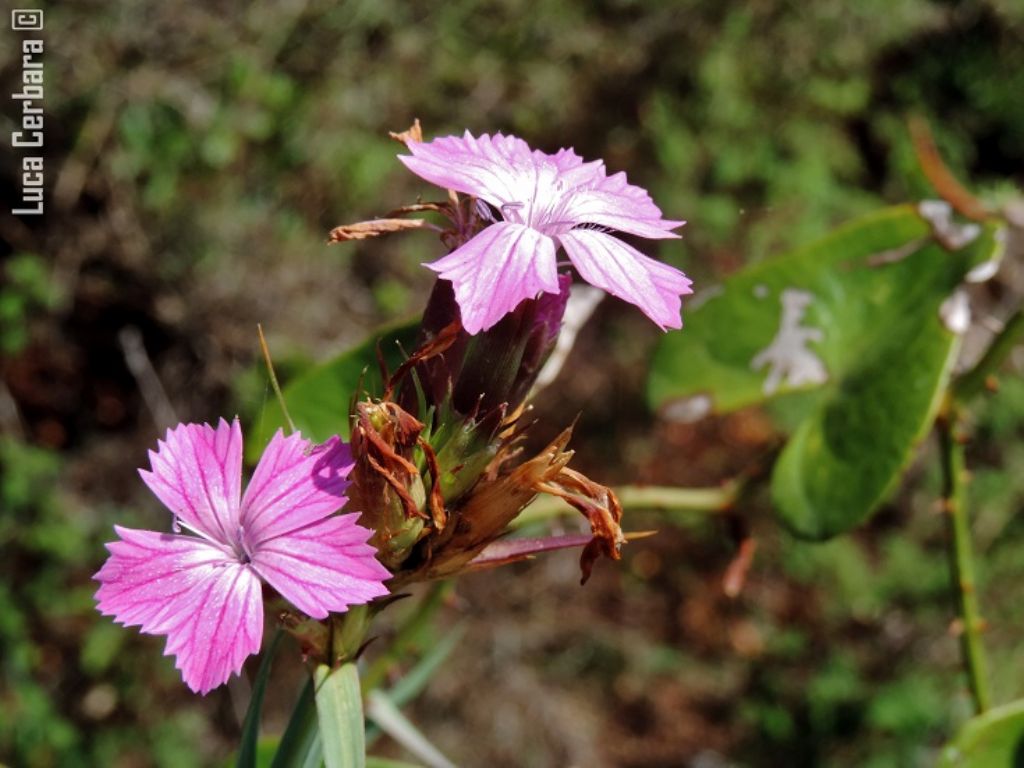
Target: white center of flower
x=542, y=200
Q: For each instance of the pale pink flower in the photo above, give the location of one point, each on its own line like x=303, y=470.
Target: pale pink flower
x=203, y=592
x=544, y=201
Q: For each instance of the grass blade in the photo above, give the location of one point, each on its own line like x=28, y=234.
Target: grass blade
x=248, y=750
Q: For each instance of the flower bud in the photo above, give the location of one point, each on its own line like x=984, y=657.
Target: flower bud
x=479, y=381
x=386, y=485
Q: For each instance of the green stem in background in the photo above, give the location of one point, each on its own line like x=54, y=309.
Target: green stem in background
x=973, y=382
x=678, y=499
x=962, y=559
x=273, y=378
x=963, y=389
x=653, y=497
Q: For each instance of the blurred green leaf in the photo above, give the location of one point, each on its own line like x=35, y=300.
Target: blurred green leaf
x=383, y=762
x=416, y=679
x=992, y=740
x=318, y=399
x=909, y=704
x=339, y=707
x=248, y=751
x=386, y=714
x=103, y=643
x=855, y=316
x=413, y=682
x=300, y=745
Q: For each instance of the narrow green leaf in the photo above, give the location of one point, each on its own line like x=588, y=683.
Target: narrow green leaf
x=248, y=751
x=413, y=683
x=992, y=740
x=383, y=711
x=318, y=399
x=339, y=707
x=383, y=762
x=852, y=326
x=300, y=745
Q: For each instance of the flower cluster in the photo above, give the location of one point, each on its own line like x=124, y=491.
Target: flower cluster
x=435, y=466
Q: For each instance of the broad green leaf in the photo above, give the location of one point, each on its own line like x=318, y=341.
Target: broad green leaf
x=853, y=322
x=248, y=752
x=318, y=399
x=339, y=708
x=300, y=745
x=992, y=740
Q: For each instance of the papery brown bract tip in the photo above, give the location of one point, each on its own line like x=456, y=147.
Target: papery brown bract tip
x=414, y=133
x=364, y=230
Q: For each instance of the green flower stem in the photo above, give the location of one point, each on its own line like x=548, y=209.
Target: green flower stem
x=654, y=497
x=973, y=382
x=348, y=632
x=962, y=559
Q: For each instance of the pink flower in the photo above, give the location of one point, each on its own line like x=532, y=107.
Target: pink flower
x=204, y=591
x=543, y=201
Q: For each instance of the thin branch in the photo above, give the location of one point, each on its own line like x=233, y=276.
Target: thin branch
x=935, y=169
x=10, y=416
x=153, y=393
x=961, y=558
x=975, y=380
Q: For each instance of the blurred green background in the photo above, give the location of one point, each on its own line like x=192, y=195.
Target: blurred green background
x=197, y=155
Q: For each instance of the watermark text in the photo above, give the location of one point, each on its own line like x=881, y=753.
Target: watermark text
x=27, y=136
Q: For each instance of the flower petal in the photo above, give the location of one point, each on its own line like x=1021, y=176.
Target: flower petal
x=572, y=171
x=565, y=159
x=493, y=169
x=193, y=591
x=197, y=474
x=324, y=567
x=295, y=485
x=613, y=202
x=500, y=267
x=623, y=271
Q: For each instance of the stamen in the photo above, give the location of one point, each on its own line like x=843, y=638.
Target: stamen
x=506, y=207
x=595, y=227
x=485, y=211
x=242, y=547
